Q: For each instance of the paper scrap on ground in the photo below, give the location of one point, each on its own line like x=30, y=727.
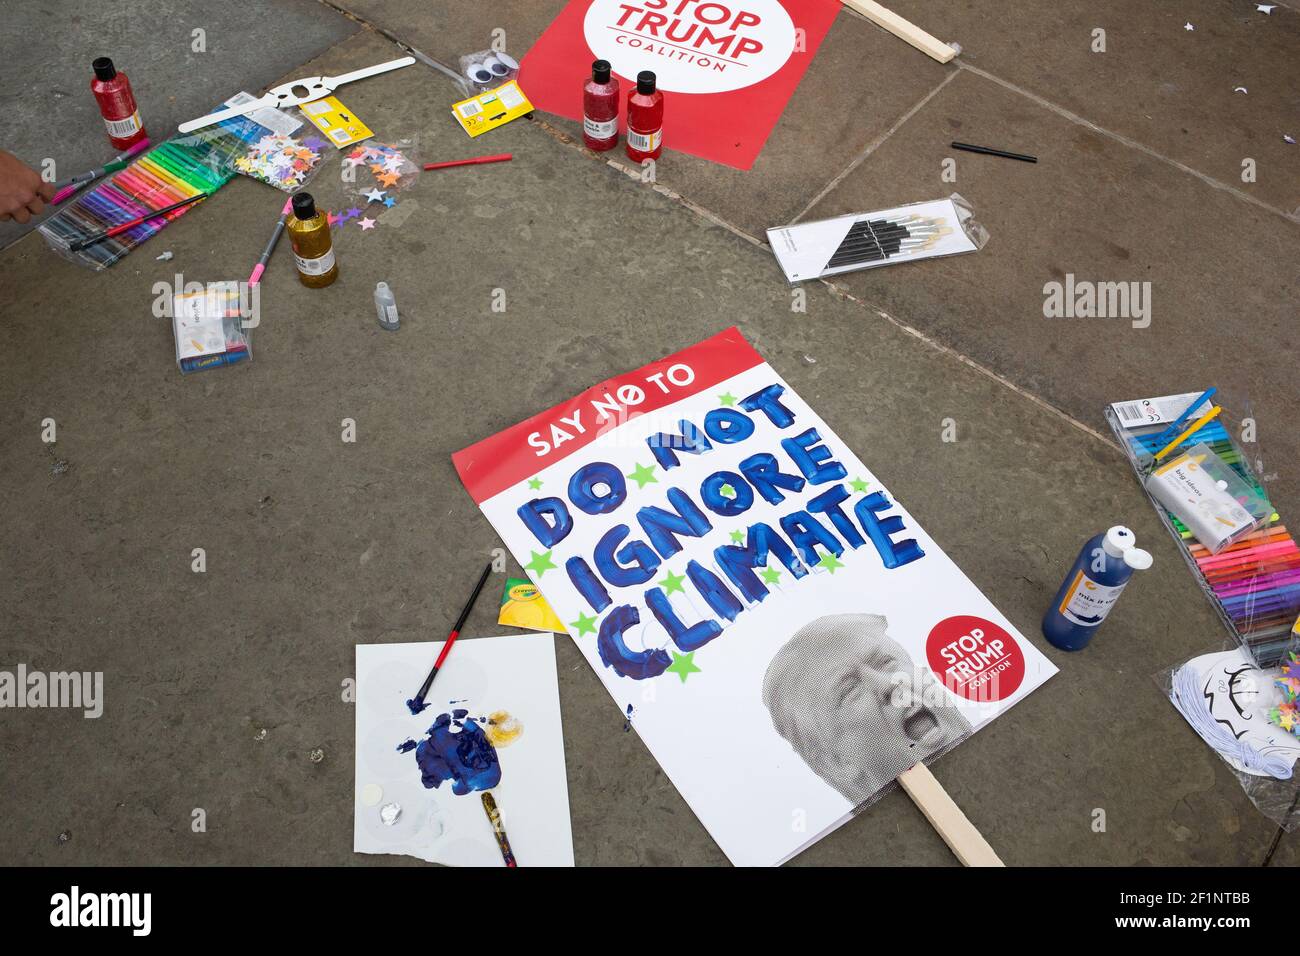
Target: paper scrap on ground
x=522, y=605
x=493, y=723
x=771, y=621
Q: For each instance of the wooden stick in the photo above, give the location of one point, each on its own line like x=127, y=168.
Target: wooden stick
x=891, y=21
x=946, y=817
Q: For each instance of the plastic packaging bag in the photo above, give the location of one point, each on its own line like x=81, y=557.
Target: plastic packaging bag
x=179, y=168
x=1228, y=701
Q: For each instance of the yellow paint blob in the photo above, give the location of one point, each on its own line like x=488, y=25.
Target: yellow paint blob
x=502, y=729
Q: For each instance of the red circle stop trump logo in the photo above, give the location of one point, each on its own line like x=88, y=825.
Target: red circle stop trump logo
x=694, y=46
x=975, y=659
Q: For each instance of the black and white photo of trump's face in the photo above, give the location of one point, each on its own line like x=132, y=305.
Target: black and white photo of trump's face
x=833, y=692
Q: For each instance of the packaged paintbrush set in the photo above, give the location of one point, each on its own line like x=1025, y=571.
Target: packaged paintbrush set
x=869, y=240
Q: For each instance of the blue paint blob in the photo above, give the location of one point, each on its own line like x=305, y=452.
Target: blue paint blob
x=534, y=516
x=828, y=503
x=407, y=745
x=813, y=458
x=467, y=758
x=690, y=440
x=415, y=705
x=632, y=564
x=588, y=585
x=662, y=526
x=584, y=485
x=627, y=724
x=713, y=498
x=686, y=638
x=767, y=401
x=806, y=532
x=614, y=653
x=728, y=426
x=893, y=554
x=767, y=478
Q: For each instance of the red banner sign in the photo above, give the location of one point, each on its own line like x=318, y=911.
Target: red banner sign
x=726, y=68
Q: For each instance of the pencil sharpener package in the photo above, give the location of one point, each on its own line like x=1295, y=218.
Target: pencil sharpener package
x=180, y=168
x=1207, y=495
x=869, y=240
x=1209, y=498
x=210, y=329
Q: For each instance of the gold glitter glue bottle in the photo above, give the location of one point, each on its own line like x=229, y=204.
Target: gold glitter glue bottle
x=313, y=251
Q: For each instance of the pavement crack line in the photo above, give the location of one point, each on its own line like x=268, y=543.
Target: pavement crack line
x=1126, y=141
x=671, y=194
x=874, y=145
x=635, y=174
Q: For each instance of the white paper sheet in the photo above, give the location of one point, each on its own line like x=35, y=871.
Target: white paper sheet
x=482, y=675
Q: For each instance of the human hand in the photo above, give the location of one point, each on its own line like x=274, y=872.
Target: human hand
x=23, y=193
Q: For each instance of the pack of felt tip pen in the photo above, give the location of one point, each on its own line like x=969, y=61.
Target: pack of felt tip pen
x=169, y=180
x=210, y=328
x=1207, y=494
x=869, y=240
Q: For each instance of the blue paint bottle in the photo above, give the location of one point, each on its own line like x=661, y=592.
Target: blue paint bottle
x=1092, y=587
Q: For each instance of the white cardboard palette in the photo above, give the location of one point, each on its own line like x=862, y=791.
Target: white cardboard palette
x=516, y=674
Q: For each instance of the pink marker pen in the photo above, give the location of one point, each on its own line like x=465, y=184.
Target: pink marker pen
x=258, y=269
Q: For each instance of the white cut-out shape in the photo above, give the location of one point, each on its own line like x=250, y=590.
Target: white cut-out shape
x=1267, y=8
x=389, y=814
x=1239, y=89
x=371, y=794
x=374, y=195
x=1188, y=26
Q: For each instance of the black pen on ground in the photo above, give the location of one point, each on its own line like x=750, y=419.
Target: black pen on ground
x=991, y=151
x=416, y=703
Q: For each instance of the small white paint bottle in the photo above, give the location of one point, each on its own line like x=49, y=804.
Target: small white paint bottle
x=386, y=307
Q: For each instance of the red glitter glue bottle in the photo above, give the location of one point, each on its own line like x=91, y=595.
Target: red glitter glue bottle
x=645, y=119
x=600, y=108
x=117, y=105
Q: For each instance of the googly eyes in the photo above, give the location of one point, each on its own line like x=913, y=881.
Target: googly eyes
x=510, y=62
x=495, y=66
x=479, y=73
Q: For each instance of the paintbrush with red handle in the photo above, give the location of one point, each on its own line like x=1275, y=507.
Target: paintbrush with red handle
x=417, y=703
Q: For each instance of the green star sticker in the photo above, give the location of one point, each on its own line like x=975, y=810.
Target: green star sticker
x=738, y=537
x=534, y=483
x=683, y=665
x=727, y=491
x=541, y=563
x=728, y=400
x=859, y=485
x=584, y=624
x=644, y=475
x=673, y=583
x=770, y=575
x=830, y=562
